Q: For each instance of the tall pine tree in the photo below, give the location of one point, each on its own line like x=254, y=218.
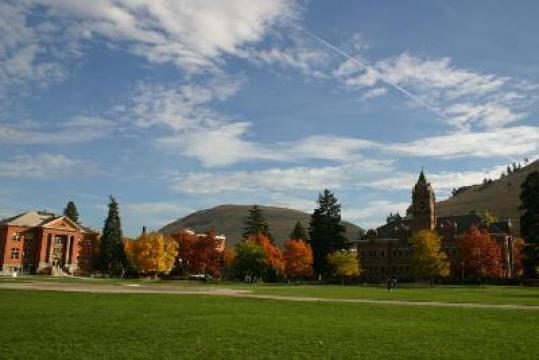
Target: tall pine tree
x=256, y=223
x=299, y=232
x=326, y=231
x=529, y=223
x=71, y=211
x=112, y=255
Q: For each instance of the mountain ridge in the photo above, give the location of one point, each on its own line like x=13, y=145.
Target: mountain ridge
x=501, y=197
x=229, y=219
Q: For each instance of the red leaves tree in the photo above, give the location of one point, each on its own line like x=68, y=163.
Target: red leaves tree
x=274, y=259
x=200, y=254
x=298, y=259
x=481, y=256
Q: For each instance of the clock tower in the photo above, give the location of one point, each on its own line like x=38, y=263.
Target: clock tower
x=423, y=209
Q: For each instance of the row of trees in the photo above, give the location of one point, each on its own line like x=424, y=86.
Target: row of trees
x=322, y=251
x=480, y=256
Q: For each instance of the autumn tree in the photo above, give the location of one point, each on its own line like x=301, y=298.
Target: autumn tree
x=326, y=230
x=343, y=264
x=273, y=256
x=249, y=260
x=299, y=232
x=229, y=257
x=529, y=223
x=428, y=259
x=199, y=254
x=112, y=256
x=256, y=223
x=152, y=253
x=71, y=212
x=298, y=259
x=205, y=257
x=480, y=255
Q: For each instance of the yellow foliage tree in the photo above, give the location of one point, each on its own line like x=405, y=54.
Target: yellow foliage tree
x=152, y=253
x=343, y=264
x=428, y=259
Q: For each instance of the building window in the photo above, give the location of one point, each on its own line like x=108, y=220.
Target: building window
x=17, y=236
x=405, y=252
x=382, y=253
x=26, y=253
x=15, y=253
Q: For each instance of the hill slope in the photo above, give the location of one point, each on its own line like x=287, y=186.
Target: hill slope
x=229, y=220
x=501, y=198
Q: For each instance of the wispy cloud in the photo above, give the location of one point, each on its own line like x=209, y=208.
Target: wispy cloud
x=500, y=142
x=79, y=129
x=45, y=166
x=462, y=98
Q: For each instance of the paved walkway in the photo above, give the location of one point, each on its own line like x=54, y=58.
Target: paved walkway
x=221, y=291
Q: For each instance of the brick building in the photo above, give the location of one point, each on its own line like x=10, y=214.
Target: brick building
x=386, y=251
x=37, y=242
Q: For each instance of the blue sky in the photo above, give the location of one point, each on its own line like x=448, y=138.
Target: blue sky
x=175, y=106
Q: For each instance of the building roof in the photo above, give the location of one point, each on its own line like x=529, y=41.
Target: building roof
x=39, y=218
x=30, y=219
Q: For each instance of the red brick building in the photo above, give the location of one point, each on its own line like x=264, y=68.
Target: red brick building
x=38, y=242
x=386, y=251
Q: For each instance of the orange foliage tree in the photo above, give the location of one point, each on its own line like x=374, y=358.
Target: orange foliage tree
x=151, y=254
x=274, y=259
x=200, y=254
x=480, y=254
x=229, y=258
x=298, y=259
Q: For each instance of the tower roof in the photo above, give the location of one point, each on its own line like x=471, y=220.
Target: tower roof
x=422, y=179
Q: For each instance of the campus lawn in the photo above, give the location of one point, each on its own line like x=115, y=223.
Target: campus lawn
x=460, y=294
x=488, y=294
x=63, y=325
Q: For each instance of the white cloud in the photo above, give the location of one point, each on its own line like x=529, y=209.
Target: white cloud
x=79, y=129
x=374, y=93
x=513, y=141
x=374, y=175
x=193, y=35
x=304, y=59
x=181, y=108
x=44, y=166
x=490, y=101
x=488, y=115
x=278, y=179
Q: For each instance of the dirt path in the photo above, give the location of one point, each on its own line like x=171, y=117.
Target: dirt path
x=218, y=291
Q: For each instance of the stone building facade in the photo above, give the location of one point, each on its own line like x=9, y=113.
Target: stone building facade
x=386, y=251
x=37, y=242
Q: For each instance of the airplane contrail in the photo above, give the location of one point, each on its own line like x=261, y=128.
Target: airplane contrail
x=380, y=76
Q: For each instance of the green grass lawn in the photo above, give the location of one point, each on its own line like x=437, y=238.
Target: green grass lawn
x=60, y=325
x=407, y=292
x=469, y=294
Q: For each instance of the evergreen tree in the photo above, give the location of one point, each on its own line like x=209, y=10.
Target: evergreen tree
x=71, y=212
x=256, y=223
x=326, y=231
x=299, y=232
x=529, y=223
x=112, y=255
